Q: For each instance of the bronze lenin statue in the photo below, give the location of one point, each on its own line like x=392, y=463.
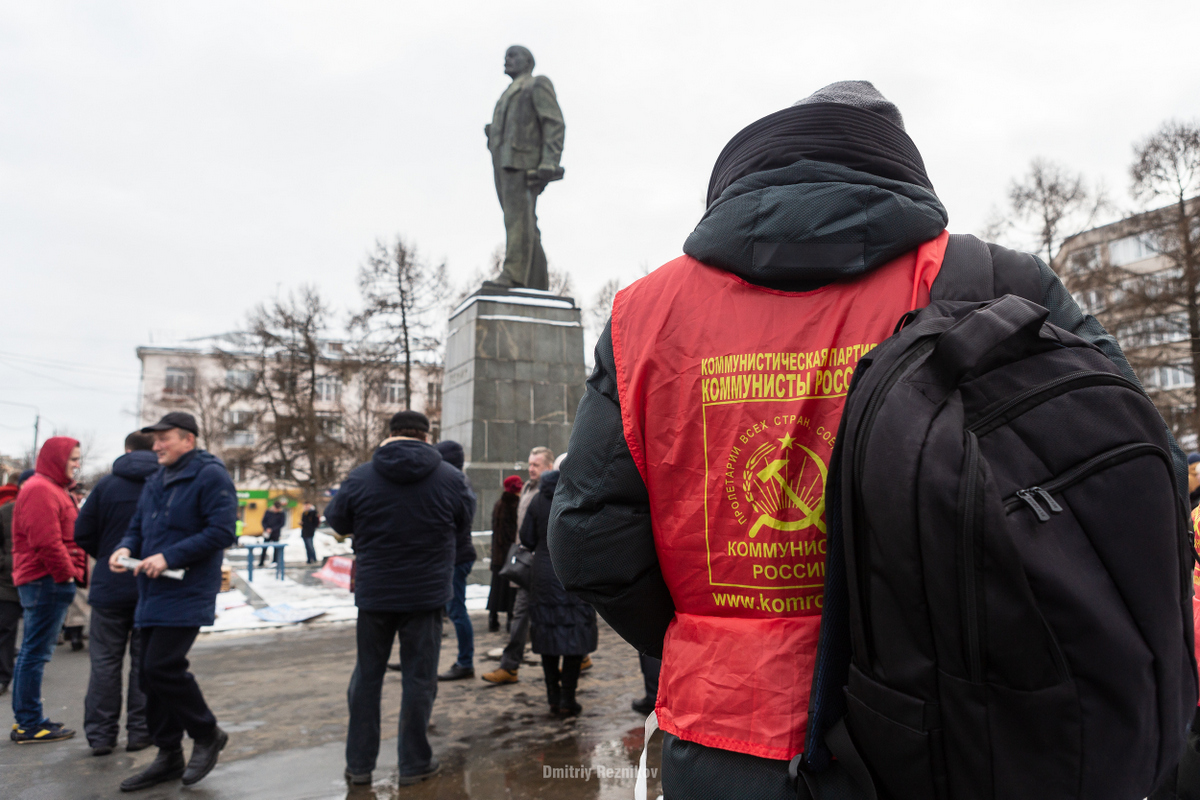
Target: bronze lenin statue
x=525, y=138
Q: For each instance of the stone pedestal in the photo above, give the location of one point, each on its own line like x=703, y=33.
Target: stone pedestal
x=514, y=377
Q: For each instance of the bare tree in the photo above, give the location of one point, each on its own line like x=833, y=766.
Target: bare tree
x=559, y=283
x=402, y=297
x=1056, y=201
x=601, y=309
x=296, y=385
x=1166, y=166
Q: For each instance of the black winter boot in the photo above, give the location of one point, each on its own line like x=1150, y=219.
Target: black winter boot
x=553, y=690
x=166, y=766
x=570, y=679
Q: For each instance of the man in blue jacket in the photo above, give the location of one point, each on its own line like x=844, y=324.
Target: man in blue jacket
x=184, y=520
x=404, y=509
x=101, y=524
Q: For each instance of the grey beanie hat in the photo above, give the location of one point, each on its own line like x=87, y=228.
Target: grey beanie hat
x=860, y=94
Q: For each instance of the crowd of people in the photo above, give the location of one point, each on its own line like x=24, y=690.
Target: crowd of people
x=148, y=543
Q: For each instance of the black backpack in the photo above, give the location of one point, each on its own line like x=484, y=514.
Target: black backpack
x=1008, y=609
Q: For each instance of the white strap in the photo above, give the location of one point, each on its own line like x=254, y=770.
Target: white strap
x=639, y=791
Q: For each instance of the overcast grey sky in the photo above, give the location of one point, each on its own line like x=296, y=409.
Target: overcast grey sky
x=164, y=166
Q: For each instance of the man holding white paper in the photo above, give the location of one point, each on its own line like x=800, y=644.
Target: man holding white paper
x=184, y=520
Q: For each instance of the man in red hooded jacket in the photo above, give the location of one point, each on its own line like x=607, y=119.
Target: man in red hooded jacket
x=46, y=564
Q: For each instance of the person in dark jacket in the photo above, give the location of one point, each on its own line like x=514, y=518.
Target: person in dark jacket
x=102, y=523
x=504, y=533
x=273, y=521
x=837, y=167
x=184, y=520
x=464, y=559
x=47, y=564
x=309, y=521
x=10, y=600
x=404, y=508
x=560, y=623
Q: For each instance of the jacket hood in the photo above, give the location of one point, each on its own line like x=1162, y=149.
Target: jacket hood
x=136, y=466
x=825, y=190
x=52, y=460
x=8, y=493
x=452, y=453
x=547, y=482
x=802, y=226
x=406, y=461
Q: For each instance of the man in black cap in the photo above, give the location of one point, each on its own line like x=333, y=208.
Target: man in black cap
x=184, y=520
x=404, y=509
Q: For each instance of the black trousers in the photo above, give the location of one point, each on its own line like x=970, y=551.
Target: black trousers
x=174, y=703
x=651, y=667
x=420, y=635
x=10, y=617
x=111, y=635
x=560, y=684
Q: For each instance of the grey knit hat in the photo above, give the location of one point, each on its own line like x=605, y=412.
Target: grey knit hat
x=861, y=94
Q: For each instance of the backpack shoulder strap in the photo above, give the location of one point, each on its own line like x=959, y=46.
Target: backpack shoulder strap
x=973, y=270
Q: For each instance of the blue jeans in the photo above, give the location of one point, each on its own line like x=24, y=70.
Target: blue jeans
x=420, y=643
x=456, y=610
x=310, y=552
x=45, y=605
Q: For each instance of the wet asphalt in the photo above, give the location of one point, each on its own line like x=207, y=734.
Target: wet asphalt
x=282, y=698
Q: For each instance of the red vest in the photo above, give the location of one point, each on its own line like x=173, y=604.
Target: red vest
x=731, y=396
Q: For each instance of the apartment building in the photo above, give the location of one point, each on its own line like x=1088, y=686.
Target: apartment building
x=1129, y=276
x=285, y=425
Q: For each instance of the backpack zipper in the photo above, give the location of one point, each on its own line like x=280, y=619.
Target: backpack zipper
x=1077, y=474
x=970, y=525
x=1030, y=398
x=864, y=429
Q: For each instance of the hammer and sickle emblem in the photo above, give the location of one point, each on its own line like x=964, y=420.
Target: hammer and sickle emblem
x=812, y=516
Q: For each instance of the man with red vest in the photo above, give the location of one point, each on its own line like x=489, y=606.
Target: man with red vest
x=691, y=512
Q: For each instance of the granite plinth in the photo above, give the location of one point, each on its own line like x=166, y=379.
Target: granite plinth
x=514, y=376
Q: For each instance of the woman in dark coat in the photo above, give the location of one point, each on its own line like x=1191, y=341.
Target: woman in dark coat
x=504, y=533
x=560, y=623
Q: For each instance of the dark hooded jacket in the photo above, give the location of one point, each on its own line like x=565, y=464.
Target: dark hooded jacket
x=103, y=521
x=560, y=623
x=404, y=509
x=187, y=513
x=44, y=521
x=800, y=198
x=464, y=545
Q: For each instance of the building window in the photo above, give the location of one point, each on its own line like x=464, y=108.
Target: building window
x=239, y=439
x=330, y=425
x=435, y=394
x=239, y=419
x=180, y=381
x=240, y=379
x=392, y=392
x=239, y=471
x=327, y=470
x=1170, y=377
x=1130, y=250
x=328, y=388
